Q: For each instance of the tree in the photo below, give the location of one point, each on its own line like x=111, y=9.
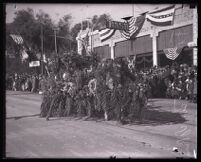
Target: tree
x=45, y=22
x=29, y=28
x=64, y=39
x=97, y=22
x=100, y=21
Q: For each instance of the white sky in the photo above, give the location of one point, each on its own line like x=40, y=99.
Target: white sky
x=80, y=12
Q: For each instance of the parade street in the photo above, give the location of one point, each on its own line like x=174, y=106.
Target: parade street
x=167, y=123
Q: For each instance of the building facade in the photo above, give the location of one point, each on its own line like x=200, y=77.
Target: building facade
x=150, y=42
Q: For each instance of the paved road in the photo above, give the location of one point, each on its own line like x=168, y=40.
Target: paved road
x=167, y=124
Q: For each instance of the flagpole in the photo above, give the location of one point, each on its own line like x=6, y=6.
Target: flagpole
x=133, y=9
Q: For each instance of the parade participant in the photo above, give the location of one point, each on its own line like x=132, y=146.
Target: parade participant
x=92, y=96
x=70, y=98
x=100, y=89
x=53, y=95
x=134, y=103
x=195, y=88
x=33, y=84
x=83, y=106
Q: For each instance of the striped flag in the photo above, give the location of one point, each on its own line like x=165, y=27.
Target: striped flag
x=172, y=53
x=161, y=17
x=17, y=38
x=135, y=25
x=106, y=34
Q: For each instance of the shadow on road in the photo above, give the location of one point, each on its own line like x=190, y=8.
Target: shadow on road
x=153, y=116
x=156, y=116
x=20, y=117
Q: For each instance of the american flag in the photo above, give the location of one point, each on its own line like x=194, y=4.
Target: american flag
x=161, y=17
x=135, y=25
x=172, y=53
x=17, y=38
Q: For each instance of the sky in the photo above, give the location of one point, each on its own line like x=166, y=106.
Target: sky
x=81, y=12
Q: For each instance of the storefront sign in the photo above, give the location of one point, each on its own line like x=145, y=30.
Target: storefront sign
x=117, y=25
x=34, y=64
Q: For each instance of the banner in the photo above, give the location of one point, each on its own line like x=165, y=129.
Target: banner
x=135, y=25
x=105, y=34
x=34, y=64
x=172, y=53
x=117, y=25
x=161, y=17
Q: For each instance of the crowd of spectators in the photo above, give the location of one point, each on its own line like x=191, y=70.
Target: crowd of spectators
x=23, y=82
x=176, y=81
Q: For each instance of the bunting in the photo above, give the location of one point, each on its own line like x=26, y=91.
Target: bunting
x=105, y=34
x=161, y=17
x=172, y=53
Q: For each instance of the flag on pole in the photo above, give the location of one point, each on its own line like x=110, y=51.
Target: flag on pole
x=135, y=25
x=17, y=38
x=161, y=17
x=24, y=55
x=106, y=34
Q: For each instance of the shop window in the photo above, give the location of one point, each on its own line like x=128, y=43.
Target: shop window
x=144, y=61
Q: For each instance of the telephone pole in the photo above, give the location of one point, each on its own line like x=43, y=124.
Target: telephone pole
x=41, y=48
x=55, y=38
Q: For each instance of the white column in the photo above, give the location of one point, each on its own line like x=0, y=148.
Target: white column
x=154, y=45
x=112, y=44
x=195, y=34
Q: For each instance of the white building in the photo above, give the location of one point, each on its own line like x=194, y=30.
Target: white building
x=152, y=40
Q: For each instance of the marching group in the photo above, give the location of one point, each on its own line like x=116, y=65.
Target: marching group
x=108, y=90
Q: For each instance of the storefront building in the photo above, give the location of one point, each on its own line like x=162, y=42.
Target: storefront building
x=151, y=41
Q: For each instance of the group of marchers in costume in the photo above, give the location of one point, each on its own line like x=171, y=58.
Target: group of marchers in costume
x=109, y=89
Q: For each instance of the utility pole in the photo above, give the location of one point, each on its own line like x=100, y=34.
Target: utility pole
x=41, y=48
x=55, y=39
